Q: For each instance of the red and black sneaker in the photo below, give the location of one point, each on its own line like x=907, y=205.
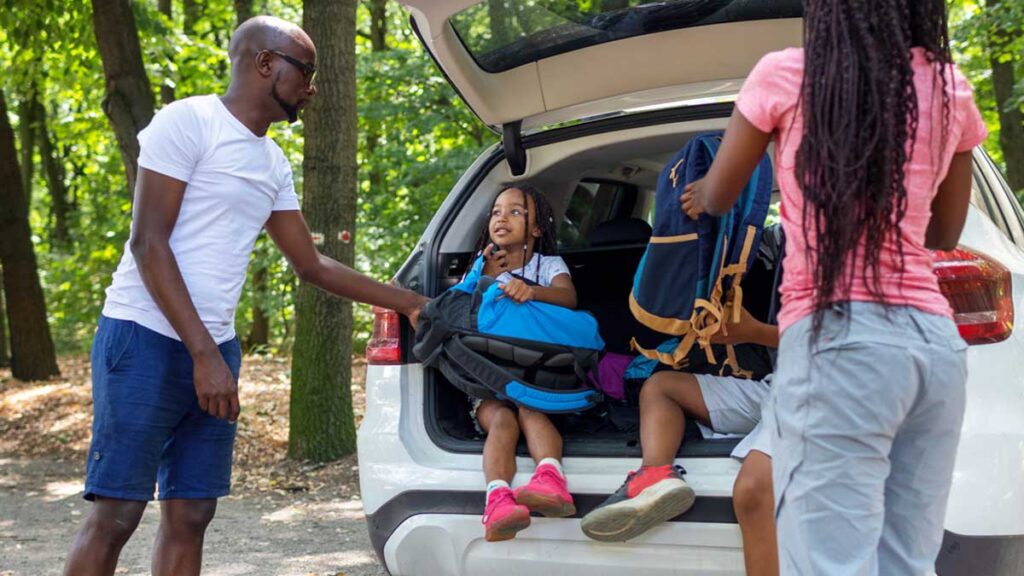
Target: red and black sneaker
x=648, y=497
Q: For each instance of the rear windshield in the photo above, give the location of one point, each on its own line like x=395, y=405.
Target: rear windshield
x=503, y=34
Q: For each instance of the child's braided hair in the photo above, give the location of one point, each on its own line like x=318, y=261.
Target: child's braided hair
x=547, y=244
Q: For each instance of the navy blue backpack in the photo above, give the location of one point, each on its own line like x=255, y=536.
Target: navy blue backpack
x=689, y=282
x=533, y=354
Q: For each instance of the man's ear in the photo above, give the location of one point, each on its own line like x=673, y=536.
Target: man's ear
x=264, y=63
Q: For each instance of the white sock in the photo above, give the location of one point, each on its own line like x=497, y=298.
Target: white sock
x=495, y=484
x=553, y=462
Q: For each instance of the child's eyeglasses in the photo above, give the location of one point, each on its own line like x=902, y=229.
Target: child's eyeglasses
x=308, y=70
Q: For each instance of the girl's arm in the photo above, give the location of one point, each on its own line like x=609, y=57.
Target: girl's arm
x=561, y=292
x=949, y=207
x=742, y=148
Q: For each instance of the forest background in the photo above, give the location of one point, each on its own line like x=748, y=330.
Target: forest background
x=82, y=77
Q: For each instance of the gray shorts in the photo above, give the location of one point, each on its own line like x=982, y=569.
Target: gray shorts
x=867, y=421
x=739, y=406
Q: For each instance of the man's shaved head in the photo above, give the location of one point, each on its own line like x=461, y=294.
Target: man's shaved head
x=265, y=33
x=272, y=67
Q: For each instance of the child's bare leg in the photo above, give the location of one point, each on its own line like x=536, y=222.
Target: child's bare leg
x=754, y=504
x=665, y=398
x=502, y=428
x=656, y=492
x=503, y=518
x=542, y=438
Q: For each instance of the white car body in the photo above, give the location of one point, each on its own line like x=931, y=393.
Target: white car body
x=424, y=497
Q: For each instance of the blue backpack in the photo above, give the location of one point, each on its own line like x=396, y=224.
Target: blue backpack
x=690, y=277
x=534, y=354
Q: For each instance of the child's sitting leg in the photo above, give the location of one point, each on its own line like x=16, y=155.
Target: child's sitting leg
x=656, y=492
x=665, y=399
x=502, y=517
x=546, y=493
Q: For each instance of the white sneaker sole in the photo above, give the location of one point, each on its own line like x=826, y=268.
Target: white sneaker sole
x=628, y=519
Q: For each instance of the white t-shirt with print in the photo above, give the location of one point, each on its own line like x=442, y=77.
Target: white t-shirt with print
x=541, y=269
x=235, y=179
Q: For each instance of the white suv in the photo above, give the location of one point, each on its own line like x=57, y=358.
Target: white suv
x=590, y=104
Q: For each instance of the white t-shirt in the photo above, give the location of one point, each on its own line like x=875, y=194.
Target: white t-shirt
x=540, y=269
x=235, y=180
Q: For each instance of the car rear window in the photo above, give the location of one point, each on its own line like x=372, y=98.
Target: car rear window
x=503, y=34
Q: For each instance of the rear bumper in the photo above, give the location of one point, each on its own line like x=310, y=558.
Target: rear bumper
x=453, y=545
x=970, y=555
x=384, y=522
x=433, y=531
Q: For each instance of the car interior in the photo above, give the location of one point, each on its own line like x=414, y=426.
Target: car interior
x=602, y=190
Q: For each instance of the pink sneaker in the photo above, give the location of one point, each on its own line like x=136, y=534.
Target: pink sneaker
x=547, y=493
x=503, y=517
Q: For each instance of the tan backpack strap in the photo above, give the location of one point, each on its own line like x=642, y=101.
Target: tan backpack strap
x=733, y=363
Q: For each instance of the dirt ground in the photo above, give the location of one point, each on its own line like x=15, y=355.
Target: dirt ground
x=283, y=517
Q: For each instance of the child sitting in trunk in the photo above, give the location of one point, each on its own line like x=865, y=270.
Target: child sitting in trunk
x=518, y=246
x=657, y=492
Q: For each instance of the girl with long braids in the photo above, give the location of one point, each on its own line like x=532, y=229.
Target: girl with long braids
x=873, y=127
x=520, y=251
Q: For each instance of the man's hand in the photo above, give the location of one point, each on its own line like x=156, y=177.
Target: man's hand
x=215, y=385
x=518, y=290
x=692, y=200
x=414, y=313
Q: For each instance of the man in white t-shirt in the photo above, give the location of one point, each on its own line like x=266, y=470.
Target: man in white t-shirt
x=165, y=358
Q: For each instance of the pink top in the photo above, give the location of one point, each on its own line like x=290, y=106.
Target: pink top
x=768, y=100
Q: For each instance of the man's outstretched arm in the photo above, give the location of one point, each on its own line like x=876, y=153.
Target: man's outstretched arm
x=289, y=231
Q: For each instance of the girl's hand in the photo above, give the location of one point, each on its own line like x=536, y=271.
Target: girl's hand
x=518, y=290
x=497, y=256
x=692, y=200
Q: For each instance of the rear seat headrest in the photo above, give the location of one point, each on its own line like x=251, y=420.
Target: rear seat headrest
x=620, y=231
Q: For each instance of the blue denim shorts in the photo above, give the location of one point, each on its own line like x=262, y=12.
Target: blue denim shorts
x=147, y=426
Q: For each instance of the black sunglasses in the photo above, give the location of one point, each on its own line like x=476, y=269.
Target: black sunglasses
x=308, y=70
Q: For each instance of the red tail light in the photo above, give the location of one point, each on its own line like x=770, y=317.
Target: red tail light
x=981, y=293
x=385, y=345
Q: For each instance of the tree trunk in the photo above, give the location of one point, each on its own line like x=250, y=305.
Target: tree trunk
x=259, y=332
x=1011, y=118
x=5, y=354
x=32, y=353
x=53, y=168
x=322, y=424
x=166, y=92
x=500, y=14
x=192, y=12
x=243, y=11
x=27, y=137
x=378, y=43
x=129, y=100
x=379, y=25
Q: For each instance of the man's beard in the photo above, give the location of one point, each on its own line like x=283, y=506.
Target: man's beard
x=292, y=110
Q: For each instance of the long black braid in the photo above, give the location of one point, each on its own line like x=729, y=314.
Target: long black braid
x=547, y=244
x=860, y=112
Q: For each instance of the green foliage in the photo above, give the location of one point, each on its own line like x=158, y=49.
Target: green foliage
x=972, y=24
x=425, y=139
x=416, y=137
